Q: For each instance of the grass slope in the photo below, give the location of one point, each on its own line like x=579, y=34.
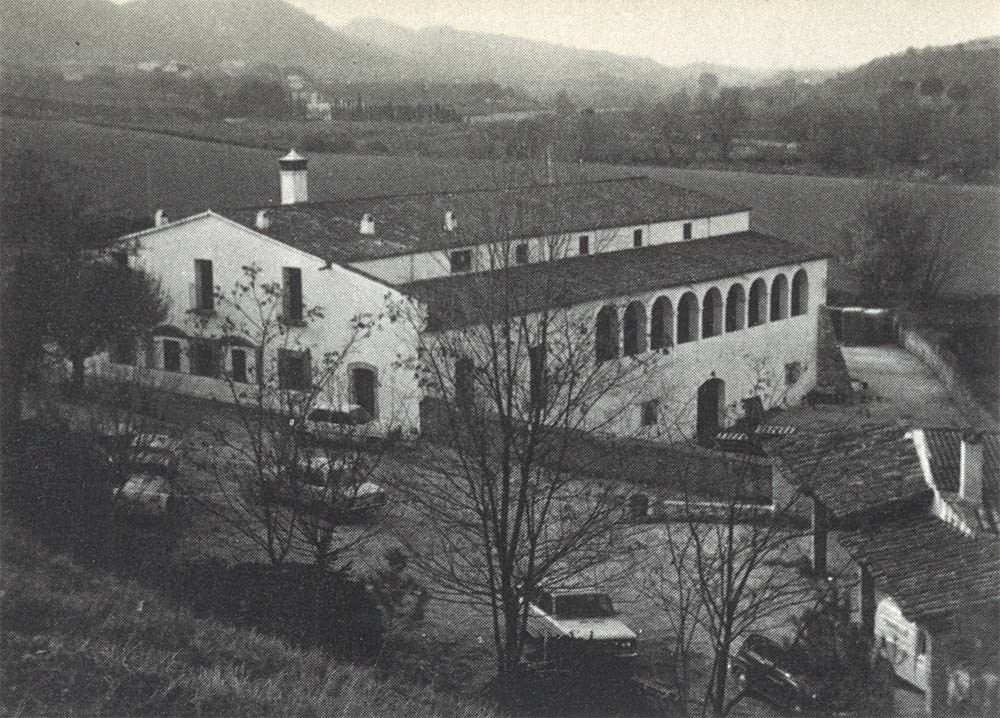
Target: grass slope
x=79, y=642
x=142, y=171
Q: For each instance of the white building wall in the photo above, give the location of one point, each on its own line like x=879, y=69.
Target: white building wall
x=428, y=265
x=751, y=361
x=169, y=254
x=901, y=637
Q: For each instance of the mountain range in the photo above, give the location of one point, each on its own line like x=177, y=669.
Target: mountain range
x=247, y=33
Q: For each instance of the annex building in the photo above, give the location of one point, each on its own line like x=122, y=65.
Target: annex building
x=655, y=270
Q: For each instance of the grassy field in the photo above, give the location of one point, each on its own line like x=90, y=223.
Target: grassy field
x=76, y=641
x=141, y=171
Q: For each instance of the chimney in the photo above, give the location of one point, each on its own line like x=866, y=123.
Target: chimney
x=449, y=221
x=262, y=221
x=160, y=218
x=367, y=225
x=970, y=481
x=294, y=178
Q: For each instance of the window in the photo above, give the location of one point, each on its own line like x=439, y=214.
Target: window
x=171, y=355
x=800, y=293
x=202, y=359
x=292, y=293
x=461, y=260
x=635, y=329
x=204, y=285
x=584, y=244
x=294, y=369
x=123, y=350
x=521, y=254
x=606, y=336
x=661, y=325
x=637, y=238
x=688, y=230
x=650, y=412
x=363, y=389
x=687, y=320
x=536, y=361
x=464, y=381
x=239, y=362
x=793, y=371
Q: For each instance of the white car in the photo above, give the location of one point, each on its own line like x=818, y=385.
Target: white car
x=572, y=625
x=319, y=483
x=147, y=493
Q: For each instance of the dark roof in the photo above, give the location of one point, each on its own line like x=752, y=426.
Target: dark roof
x=928, y=567
x=456, y=300
x=854, y=469
x=945, y=448
x=415, y=223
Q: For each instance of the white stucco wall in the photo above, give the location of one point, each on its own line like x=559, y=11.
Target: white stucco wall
x=751, y=361
x=901, y=639
x=427, y=265
x=169, y=253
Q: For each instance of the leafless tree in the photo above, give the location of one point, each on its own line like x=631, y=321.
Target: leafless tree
x=515, y=394
x=280, y=486
x=901, y=245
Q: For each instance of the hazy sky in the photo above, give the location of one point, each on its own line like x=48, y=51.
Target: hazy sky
x=759, y=33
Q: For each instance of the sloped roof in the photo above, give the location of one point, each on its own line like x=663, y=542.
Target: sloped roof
x=457, y=300
x=945, y=449
x=927, y=566
x=415, y=223
x=854, y=469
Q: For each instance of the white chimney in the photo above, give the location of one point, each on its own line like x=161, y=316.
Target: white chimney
x=367, y=225
x=160, y=218
x=262, y=221
x=294, y=178
x=449, y=221
x=970, y=480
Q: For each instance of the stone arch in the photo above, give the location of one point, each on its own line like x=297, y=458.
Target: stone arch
x=711, y=313
x=635, y=329
x=661, y=324
x=800, y=293
x=687, y=318
x=779, y=298
x=757, y=303
x=606, y=334
x=736, y=308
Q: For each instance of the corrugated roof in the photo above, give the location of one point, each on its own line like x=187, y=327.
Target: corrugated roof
x=458, y=300
x=855, y=469
x=927, y=566
x=415, y=223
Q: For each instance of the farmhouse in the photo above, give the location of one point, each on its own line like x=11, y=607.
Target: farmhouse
x=908, y=519
x=653, y=270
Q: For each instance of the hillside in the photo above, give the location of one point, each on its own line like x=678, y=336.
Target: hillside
x=206, y=33
x=974, y=65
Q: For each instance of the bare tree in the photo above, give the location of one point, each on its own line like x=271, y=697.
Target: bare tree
x=279, y=484
x=901, y=245
x=516, y=391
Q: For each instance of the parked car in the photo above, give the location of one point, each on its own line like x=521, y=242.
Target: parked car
x=139, y=450
x=573, y=625
x=323, y=483
x=342, y=421
x=148, y=494
x=765, y=669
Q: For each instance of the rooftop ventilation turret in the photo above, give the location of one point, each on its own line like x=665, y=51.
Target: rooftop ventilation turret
x=262, y=221
x=160, y=218
x=449, y=221
x=294, y=178
x=367, y=225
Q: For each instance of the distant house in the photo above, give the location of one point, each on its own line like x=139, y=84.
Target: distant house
x=909, y=519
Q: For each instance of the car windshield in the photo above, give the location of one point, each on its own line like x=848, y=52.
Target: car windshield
x=584, y=605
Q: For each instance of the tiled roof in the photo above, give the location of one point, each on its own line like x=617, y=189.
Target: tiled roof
x=415, y=223
x=854, y=469
x=457, y=300
x=945, y=447
x=927, y=566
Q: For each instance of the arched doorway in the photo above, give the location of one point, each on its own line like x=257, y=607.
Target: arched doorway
x=711, y=403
